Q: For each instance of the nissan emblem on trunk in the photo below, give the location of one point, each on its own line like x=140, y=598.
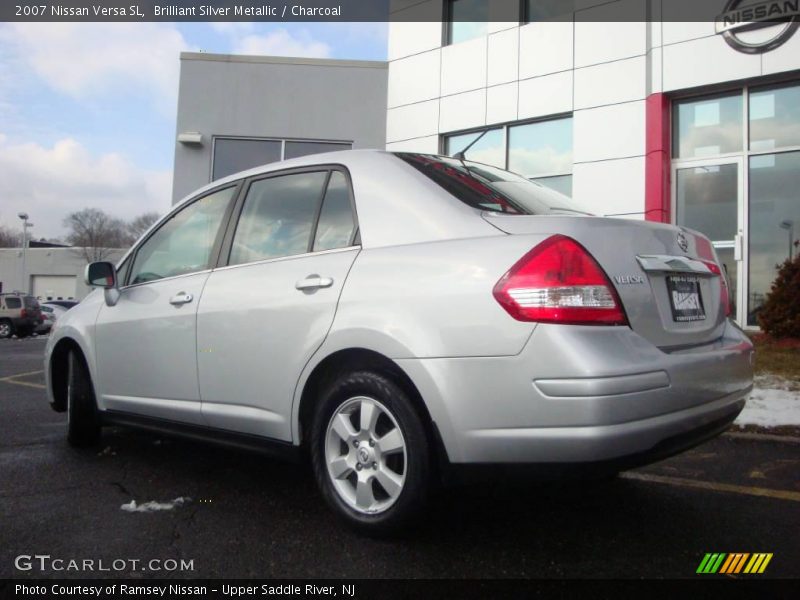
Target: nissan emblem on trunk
x=683, y=242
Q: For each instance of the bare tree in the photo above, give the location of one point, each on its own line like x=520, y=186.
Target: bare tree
x=94, y=233
x=141, y=224
x=9, y=238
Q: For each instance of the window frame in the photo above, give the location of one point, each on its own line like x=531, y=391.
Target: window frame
x=252, y=138
x=505, y=127
x=213, y=255
x=223, y=260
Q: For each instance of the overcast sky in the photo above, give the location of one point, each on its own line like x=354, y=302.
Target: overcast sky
x=87, y=111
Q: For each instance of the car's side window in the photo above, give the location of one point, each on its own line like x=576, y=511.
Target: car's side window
x=182, y=244
x=336, y=223
x=277, y=217
x=122, y=271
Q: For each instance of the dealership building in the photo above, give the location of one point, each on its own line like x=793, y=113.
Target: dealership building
x=667, y=121
x=693, y=123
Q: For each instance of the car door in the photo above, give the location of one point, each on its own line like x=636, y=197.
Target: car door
x=267, y=310
x=146, y=343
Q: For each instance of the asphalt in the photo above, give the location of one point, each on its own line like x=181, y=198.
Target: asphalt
x=250, y=516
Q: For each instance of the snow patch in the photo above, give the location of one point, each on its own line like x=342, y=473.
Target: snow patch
x=774, y=401
x=153, y=506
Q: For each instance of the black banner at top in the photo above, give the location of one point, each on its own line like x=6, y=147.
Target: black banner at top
x=518, y=11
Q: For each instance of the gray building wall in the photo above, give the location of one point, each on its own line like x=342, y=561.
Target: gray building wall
x=272, y=97
x=47, y=262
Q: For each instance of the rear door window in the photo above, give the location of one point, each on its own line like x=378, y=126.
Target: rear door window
x=336, y=222
x=278, y=217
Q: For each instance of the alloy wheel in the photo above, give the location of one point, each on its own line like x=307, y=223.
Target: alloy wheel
x=365, y=452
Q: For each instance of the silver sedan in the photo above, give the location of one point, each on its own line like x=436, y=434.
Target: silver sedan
x=399, y=317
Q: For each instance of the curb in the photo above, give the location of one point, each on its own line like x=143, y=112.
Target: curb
x=762, y=437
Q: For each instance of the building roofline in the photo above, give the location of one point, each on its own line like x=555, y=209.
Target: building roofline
x=284, y=60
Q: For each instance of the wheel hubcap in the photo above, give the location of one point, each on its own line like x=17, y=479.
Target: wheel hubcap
x=365, y=452
x=4, y=329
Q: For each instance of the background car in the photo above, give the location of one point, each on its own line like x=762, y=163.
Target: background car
x=400, y=316
x=66, y=304
x=49, y=317
x=20, y=315
x=56, y=309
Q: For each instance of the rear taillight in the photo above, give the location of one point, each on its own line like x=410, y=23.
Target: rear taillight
x=724, y=296
x=558, y=281
x=23, y=314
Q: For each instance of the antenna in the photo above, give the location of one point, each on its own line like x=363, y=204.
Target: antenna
x=461, y=155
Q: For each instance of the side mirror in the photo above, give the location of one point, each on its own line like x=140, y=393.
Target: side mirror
x=101, y=274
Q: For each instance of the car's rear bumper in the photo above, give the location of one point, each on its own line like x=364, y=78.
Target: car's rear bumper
x=579, y=395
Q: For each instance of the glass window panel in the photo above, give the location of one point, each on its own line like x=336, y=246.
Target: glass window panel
x=277, y=217
x=542, y=10
x=543, y=148
x=232, y=155
x=559, y=183
x=707, y=200
x=774, y=117
x=468, y=20
x=708, y=126
x=489, y=149
x=774, y=222
x=183, y=244
x=335, y=227
x=297, y=149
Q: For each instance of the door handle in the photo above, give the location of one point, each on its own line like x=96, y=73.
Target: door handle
x=180, y=298
x=313, y=282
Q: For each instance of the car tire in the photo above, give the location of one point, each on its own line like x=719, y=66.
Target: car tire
x=377, y=475
x=6, y=329
x=83, y=419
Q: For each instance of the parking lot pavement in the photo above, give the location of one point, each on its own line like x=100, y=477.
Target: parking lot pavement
x=250, y=516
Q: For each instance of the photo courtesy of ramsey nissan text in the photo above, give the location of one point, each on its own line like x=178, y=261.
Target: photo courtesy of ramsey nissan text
x=393, y=298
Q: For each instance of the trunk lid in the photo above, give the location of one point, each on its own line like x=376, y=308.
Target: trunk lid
x=657, y=270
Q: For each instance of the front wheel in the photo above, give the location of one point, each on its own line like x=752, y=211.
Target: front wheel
x=370, y=453
x=83, y=420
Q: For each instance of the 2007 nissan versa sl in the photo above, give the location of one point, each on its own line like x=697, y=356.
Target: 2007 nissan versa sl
x=396, y=315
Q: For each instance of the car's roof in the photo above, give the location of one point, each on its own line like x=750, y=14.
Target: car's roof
x=395, y=203
x=343, y=157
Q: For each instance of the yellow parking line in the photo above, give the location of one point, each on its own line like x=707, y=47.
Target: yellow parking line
x=11, y=379
x=716, y=487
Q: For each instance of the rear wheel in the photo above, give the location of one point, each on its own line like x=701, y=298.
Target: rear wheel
x=370, y=453
x=83, y=420
x=6, y=329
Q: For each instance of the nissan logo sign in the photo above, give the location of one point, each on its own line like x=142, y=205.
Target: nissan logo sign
x=740, y=17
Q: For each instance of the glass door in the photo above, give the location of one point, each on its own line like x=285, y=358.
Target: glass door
x=708, y=196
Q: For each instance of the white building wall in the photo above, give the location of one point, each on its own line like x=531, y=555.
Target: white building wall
x=600, y=72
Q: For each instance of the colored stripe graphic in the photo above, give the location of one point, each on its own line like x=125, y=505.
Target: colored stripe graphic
x=711, y=563
x=734, y=563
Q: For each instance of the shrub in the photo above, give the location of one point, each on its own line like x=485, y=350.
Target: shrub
x=780, y=315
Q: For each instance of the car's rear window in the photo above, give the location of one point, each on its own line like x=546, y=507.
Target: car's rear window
x=488, y=188
x=13, y=303
x=31, y=302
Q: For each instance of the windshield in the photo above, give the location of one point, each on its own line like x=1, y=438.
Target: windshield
x=488, y=188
